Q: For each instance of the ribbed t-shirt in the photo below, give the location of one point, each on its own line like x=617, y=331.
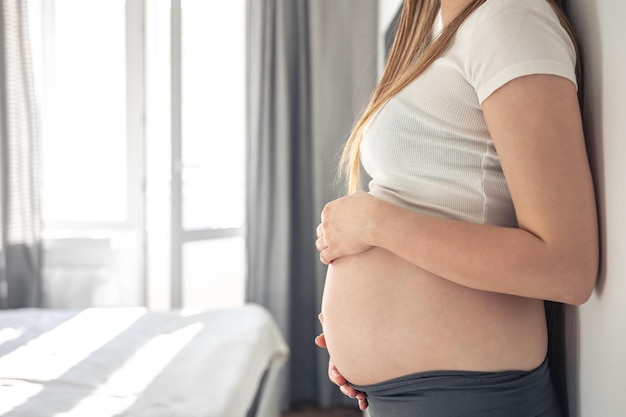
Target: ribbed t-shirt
x=428, y=149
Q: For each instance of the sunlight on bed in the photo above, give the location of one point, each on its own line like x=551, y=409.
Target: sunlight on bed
x=10, y=333
x=134, y=376
x=134, y=362
x=55, y=352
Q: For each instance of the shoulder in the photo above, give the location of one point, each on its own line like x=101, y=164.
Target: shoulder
x=516, y=25
x=505, y=39
x=510, y=11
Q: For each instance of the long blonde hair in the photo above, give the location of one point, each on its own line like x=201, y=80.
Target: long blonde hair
x=412, y=52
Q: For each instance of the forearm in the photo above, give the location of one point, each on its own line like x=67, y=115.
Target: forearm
x=553, y=254
x=490, y=258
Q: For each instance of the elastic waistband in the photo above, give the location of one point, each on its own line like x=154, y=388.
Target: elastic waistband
x=464, y=393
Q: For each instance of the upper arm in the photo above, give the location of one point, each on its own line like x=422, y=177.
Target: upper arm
x=536, y=127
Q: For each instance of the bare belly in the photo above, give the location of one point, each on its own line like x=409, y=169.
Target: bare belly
x=384, y=318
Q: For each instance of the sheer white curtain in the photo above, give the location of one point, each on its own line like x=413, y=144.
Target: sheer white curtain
x=20, y=226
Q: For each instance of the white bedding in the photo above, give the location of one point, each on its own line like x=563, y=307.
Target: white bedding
x=131, y=362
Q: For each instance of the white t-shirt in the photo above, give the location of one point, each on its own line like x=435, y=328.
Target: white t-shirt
x=428, y=149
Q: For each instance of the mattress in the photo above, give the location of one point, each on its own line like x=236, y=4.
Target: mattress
x=135, y=362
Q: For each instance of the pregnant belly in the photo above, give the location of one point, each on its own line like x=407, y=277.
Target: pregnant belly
x=384, y=318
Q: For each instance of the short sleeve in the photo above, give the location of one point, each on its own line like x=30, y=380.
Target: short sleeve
x=514, y=39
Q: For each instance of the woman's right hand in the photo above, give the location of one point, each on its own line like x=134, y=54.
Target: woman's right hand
x=336, y=378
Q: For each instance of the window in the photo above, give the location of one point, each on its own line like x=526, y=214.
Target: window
x=143, y=108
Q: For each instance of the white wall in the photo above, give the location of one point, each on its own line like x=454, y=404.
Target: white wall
x=386, y=11
x=597, y=339
x=596, y=331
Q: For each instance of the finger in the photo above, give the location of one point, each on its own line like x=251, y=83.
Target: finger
x=323, y=258
x=320, y=244
x=332, y=373
x=320, y=340
x=363, y=404
x=335, y=376
x=347, y=390
x=318, y=230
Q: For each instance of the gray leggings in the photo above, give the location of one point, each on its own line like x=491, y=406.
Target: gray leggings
x=465, y=394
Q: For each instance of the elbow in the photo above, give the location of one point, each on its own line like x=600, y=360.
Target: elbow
x=578, y=296
x=581, y=281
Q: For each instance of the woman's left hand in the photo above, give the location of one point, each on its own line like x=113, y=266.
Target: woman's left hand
x=336, y=378
x=346, y=227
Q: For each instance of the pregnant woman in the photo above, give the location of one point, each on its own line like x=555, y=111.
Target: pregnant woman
x=480, y=207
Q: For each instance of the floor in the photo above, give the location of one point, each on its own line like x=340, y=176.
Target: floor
x=307, y=410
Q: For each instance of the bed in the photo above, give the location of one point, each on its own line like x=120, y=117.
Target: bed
x=105, y=362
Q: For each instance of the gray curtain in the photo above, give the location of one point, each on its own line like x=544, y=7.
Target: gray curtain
x=20, y=225
x=311, y=69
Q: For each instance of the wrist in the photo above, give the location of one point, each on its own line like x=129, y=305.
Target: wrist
x=375, y=218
